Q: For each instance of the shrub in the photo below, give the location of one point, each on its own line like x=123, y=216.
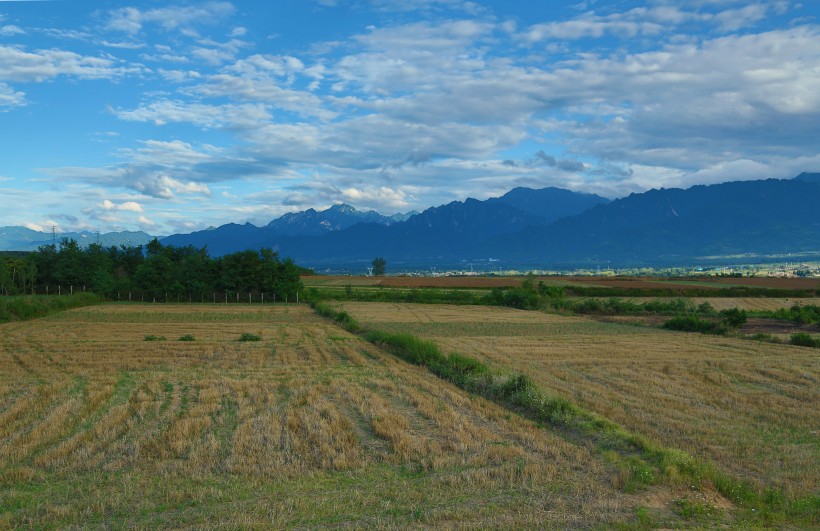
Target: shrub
x=186, y=337
x=733, y=317
x=805, y=340
x=154, y=338
x=693, y=323
x=249, y=337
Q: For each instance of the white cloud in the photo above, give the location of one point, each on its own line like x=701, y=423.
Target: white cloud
x=10, y=30
x=162, y=186
x=34, y=226
x=202, y=115
x=131, y=19
x=10, y=98
x=146, y=223
x=127, y=206
x=16, y=64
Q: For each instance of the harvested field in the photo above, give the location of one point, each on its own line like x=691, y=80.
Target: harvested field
x=308, y=427
x=479, y=282
x=749, y=407
x=753, y=304
x=690, y=283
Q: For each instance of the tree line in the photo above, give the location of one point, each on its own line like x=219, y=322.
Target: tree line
x=156, y=271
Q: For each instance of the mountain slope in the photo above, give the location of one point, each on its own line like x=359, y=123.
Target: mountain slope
x=761, y=217
x=550, y=204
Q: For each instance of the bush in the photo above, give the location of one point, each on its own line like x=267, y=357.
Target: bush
x=249, y=337
x=186, y=337
x=805, y=340
x=155, y=338
x=733, y=317
x=693, y=323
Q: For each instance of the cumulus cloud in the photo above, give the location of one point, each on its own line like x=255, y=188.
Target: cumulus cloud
x=127, y=206
x=203, y=115
x=131, y=20
x=10, y=97
x=161, y=185
x=17, y=64
x=10, y=30
x=418, y=110
x=146, y=223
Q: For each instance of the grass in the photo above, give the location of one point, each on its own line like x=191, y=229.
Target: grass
x=25, y=307
x=100, y=428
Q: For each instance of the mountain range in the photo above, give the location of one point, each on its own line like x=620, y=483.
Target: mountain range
x=13, y=238
x=546, y=227
x=558, y=227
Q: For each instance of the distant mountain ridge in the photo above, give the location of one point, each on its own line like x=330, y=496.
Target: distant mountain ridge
x=14, y=238
x=551, y=203
x=338, y=217
x=234, y=237
x=546, y=227
x=438, y=231
x=666, y=226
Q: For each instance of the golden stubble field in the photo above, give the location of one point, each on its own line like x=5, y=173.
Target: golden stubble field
x=752, y=408
x=308, y=427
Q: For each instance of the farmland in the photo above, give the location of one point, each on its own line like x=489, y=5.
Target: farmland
x=636, y=283
x=309, y=426
x=749, y=407
x=146, y=415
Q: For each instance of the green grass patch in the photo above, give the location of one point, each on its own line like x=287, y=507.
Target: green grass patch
x=26, y=307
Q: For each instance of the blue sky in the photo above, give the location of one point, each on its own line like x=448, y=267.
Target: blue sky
x=174, y=116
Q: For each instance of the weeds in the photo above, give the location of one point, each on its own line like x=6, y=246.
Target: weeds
x=26, y=307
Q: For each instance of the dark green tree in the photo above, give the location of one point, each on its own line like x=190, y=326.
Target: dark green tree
x=379, y=266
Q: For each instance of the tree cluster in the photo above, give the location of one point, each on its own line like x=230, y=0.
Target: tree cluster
x=157, y=271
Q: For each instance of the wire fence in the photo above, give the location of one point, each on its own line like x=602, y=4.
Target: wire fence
x=198, y=297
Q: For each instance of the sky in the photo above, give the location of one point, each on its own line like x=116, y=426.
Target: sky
x=171, y=117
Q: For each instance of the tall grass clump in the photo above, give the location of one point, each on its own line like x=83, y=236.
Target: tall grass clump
x=25, y=307
x=693, y=323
